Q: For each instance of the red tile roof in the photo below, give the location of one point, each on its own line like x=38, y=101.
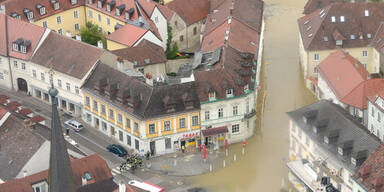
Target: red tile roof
x=315, y=26
x=121, y=35
x=371, y=172
x=365, y=90
x=37, y=119
x=2, y=112
x=190, y=11
x=128, y=5
x=93, y=164
x=72, y=57
x=149, y=6
x=25, y=111
x=342, y=73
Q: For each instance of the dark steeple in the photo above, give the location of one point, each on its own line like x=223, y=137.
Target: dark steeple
x=60, y=170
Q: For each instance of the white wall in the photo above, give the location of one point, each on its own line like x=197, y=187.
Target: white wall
x=161, y=25
x=374, y=125
x=326, y=91
x=150, y=37
x=5, y=81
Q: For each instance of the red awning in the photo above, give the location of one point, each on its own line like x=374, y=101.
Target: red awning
x=214, y=131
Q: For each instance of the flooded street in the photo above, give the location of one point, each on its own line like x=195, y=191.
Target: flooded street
x=263, y=167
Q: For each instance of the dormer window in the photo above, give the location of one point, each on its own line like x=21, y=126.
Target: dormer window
x=212, y=96
x=41, y=9
x=246, y=88
x=20, y=46
x=366, y=13
x=120, y=9
x=100, y=3
x=353, y=36
x=339, y=42
x=23, y=49
x=73, y=2
x=15, y=15
x=333, y=19
x=118, y=12
x=326, y=39
x=28, y=13
x=90, y=1
x=229, y=92
x=15, y=46
x=342, y=18
x=56, y=5
x=109, y=8
x=369, y=35
x=110, y=5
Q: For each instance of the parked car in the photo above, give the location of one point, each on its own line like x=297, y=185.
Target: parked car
x=117, y=149
x=74, y=125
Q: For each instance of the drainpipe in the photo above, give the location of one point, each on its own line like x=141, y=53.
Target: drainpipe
x=9, y=57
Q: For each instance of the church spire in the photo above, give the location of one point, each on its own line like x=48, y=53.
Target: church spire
x=60, y=170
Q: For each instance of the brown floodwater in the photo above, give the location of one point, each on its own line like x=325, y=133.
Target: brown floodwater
x=263, y=168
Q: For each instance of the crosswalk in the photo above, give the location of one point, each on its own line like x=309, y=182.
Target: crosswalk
x=116, y=171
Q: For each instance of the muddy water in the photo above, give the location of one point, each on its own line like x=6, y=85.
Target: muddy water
x=262, y=168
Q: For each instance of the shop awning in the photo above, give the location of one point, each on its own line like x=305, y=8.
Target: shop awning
x=214, y=131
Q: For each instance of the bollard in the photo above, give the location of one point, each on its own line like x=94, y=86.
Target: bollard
x=174, y=162
x=234, y=157
x=243, y=151
x=226, y=152
x=210, y=167
x=224, y=163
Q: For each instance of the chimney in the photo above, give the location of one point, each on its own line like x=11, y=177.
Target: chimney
x=78, y=37
x=100, y=44
x=122, y=187
x=83, y=181
x=25, y=173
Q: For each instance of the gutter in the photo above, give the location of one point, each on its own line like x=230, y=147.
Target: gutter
x=9, y=58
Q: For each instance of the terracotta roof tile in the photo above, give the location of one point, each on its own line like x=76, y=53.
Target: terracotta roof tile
x=365, y=90
x=149, y=6
x=144, y=50
x=127, y=35
x=25, y=111
x=342, y=73
x=82, y=56
x=316, y=26
x=190, y=11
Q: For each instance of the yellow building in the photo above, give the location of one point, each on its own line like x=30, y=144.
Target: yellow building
x=141, y=116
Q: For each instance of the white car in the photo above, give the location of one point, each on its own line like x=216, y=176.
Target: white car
x=74, y=125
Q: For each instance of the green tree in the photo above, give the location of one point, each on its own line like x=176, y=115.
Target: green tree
x=91, y=35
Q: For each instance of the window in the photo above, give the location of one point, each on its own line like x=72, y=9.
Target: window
x=87, y=101
x=128, y=140
x=60, y=31
x=15, y=64
x=246, y=88
x=104, y=126
x=333, y=19
x=194, y=30
x=315, y=69
x=68, y=87
x=206, y=115
x=378, y=117
x=42, y=76
x=77, y=91
x=366, y=13
x=15, y=47
x=316, y=57
x=373, y=112
x=89, y=117
x=95, y=106
x=235, y=110
x=108, y=21
x=103, y=109
x=151, y=129
x=211, y=95
x=181, y=38
x=167, y=125
x=365, y=53
x=42, y=11
x=1, y=75
x=137, y=144
x=77, y=27
x=127, y=123
x=100, y=29
x=236, y=128
x=136, y=127
x=342, y=18
x=326, y=39
x=45, y=24
x=40, y=187
x=34, y=73
x=75, y=14
x=56, y=6
x=229, y=92
x=23, y=66
x=119, y=119
x=369, y=35
x=156, y=19
x=307, y=141
x=293, y=129
x=195, y=120
x=58, y=19
x=111, y=115
x=182, y=123
x=247, y=106
x=99, y=17
x=221, y=113
x=0, y=60
x=121, y=137
x=90, y=14
x=30, y=15
x=365, y=65
x=176, y=23
x=73, y=2
x=99, y=4
x=372, y=128
x=352, y=36
x=168, y=143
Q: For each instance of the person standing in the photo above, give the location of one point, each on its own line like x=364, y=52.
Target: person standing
x=183, y=148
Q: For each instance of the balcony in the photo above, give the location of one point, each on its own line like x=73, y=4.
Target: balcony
x=250, y=114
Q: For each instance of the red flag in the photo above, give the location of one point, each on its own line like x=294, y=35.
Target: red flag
x=226, y=144
x=205, y=152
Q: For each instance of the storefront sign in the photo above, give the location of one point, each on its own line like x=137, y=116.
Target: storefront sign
x=190, y=135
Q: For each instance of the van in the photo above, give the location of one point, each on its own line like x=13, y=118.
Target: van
x=74, y=125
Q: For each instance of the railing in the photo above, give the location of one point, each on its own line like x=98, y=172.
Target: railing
x=250, y=114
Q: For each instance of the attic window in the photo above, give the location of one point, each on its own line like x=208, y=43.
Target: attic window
x=326, y=39
x=15, y=15
x=109, y=8
x=73, y=2
x=90, y=1
x=15, y=46
x=229, y=92
x=342, y=18
x=147, y=61
x=56, y=5
x=369, y=35
x=352, y=36
x=310, y=35
x=118, y=12
x=212, y=96
x=41, y=9
x=366, y=13
x=87, y=176
x=333, y=19
x=246, y=88
x=28, y=13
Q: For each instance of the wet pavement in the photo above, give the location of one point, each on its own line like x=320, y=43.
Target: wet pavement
x=263, y=167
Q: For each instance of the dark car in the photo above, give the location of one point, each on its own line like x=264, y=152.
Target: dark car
x=117, y=149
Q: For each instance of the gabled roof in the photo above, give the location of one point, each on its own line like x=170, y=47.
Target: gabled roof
x=190, y=11
x=67, y=56
x=371, y=172
x=313, y=5
x=338, y=121
x=145, y=53
x=93, y=164
x=342, y=73
x=365, y=90
x=128, y=5
x=149, y=6
x=127, y=35
x=316, y=26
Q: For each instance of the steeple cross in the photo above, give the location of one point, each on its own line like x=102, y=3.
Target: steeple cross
x=51, y=72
